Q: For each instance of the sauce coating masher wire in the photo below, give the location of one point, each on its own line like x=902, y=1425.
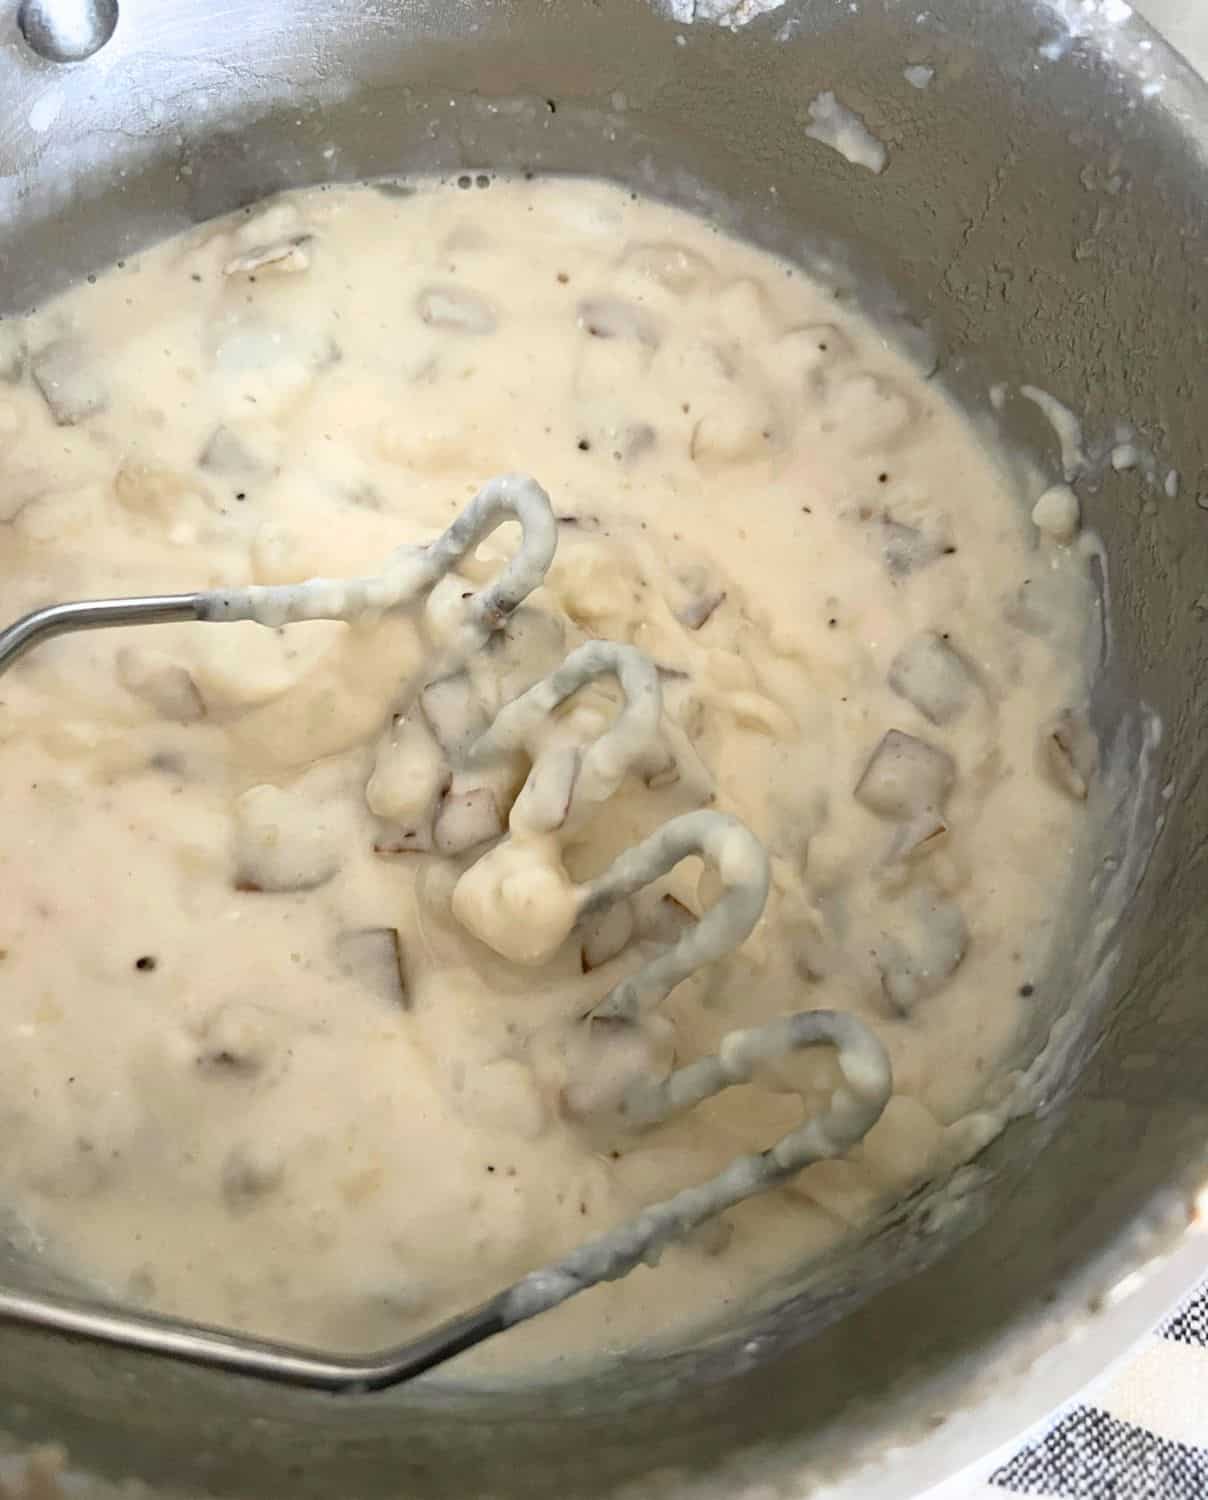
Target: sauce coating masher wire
x=741, y=861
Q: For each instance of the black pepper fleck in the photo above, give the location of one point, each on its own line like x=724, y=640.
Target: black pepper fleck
x=146, y=964
x=1027, y=990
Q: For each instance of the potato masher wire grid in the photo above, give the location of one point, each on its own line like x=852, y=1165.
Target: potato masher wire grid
x=578, y=783
x=409, y=575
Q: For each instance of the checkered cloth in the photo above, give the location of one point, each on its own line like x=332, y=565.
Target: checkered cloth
x=1144, y=1436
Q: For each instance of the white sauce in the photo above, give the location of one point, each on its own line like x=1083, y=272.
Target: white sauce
x=918, y=76
x=1057, y=513
x=840, y=128
x=1065, y=424
x=255, y=1069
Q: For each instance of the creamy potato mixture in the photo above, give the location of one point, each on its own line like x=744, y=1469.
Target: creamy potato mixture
x=293, y=1032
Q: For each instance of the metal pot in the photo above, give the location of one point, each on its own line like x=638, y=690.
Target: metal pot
x=1045, y=214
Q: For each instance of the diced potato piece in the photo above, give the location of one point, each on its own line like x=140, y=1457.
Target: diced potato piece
x=671, y=266
x=68, y=375
x=922, y=835
x=744, y=307
x=456, y=309
x=665, y=921
x=605, y=935
x=263, y=364
x=455, y=713
x=740, y=431
x=160, y=682
x=466, y=819
x=802, y=354
x=241, y=664
x=905, y=776
x=278, y=220
x=736, y=425
x=699, y=611
x=1041, y=606
x=374, y=957
x=409, y=775
x=613, y=318
x=151, y=489
x=281, y=257
x=877, y=409
x=906, y=549
x=1069, y=753
x=917, y=961
x=230, y=451
x=285, y=840
x=544, y=801
x=935, y=677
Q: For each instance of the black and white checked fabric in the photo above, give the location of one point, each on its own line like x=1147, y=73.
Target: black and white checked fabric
x=1144, y=1436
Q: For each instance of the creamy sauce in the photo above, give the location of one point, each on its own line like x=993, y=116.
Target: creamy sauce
x=840, y=128
x=291, y=982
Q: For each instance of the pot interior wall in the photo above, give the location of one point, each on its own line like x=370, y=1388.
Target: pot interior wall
x=993, y=229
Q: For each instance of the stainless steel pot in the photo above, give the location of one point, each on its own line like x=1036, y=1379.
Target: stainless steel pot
x=1045, y=213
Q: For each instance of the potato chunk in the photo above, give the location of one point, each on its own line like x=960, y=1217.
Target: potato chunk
x=905, y=776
